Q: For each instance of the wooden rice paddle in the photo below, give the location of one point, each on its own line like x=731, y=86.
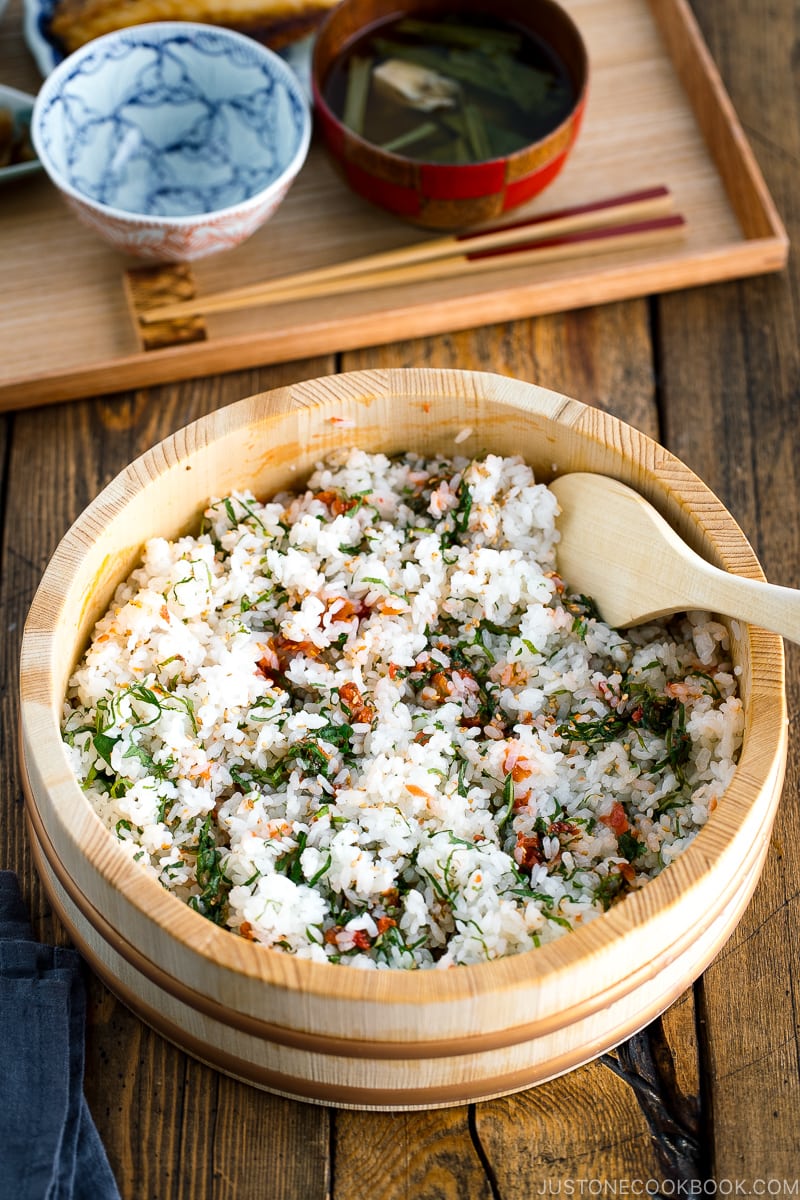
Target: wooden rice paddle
x=618, y=550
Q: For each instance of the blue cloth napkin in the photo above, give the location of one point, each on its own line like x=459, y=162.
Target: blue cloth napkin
x=49, y=1146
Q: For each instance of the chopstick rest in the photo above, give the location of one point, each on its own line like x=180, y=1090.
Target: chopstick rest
x=154, y=287
x=49, y=1146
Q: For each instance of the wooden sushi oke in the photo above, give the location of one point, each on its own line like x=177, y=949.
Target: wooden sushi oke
x=384, y=1039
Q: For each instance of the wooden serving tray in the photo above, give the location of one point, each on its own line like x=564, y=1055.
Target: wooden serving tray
x=657, y=114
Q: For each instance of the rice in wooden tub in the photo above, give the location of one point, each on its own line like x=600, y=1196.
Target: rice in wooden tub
x=367, y=723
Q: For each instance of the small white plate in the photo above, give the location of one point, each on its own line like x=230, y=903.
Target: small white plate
x=21, y=105
x=45, y=50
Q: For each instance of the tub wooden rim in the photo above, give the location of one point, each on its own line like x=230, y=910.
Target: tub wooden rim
x=56, y=798
x=386, y=1098
x=44, y=853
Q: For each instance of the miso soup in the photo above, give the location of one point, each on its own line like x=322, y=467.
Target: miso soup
x=457, y=88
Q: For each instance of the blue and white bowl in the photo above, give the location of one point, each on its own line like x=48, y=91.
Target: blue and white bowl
x=172, y=140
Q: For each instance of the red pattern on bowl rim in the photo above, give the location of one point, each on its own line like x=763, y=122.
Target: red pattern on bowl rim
x=165, y=241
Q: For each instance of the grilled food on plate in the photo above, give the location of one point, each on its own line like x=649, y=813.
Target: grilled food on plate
x=275, y=22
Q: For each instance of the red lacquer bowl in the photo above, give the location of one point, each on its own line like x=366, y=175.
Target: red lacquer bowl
x=448, y=196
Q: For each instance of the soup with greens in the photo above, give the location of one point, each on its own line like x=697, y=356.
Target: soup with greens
x=460, y=88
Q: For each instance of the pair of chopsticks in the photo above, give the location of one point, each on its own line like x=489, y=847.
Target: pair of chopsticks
x=623, y=222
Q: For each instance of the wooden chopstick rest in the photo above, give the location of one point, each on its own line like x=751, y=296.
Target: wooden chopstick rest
x=148, y=288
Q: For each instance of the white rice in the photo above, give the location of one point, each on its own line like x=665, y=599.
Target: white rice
x=367, y=724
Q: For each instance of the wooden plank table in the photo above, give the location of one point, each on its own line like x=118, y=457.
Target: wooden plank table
x=709, y=1095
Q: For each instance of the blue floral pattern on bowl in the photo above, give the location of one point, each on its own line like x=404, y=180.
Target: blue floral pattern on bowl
x=170, y=121
x=168, y=135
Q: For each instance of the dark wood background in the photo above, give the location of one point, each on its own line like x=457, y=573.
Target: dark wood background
x=711, y=1091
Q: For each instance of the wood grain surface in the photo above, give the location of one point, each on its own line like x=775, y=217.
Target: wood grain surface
x=729, y=363
x=715, y=374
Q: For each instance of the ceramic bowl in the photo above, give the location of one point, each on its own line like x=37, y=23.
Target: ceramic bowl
x=20, y=106
x=431, y=194
x=388, y=1039
x=172, y=140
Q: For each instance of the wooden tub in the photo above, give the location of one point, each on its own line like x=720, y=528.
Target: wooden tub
x=384, y=1039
